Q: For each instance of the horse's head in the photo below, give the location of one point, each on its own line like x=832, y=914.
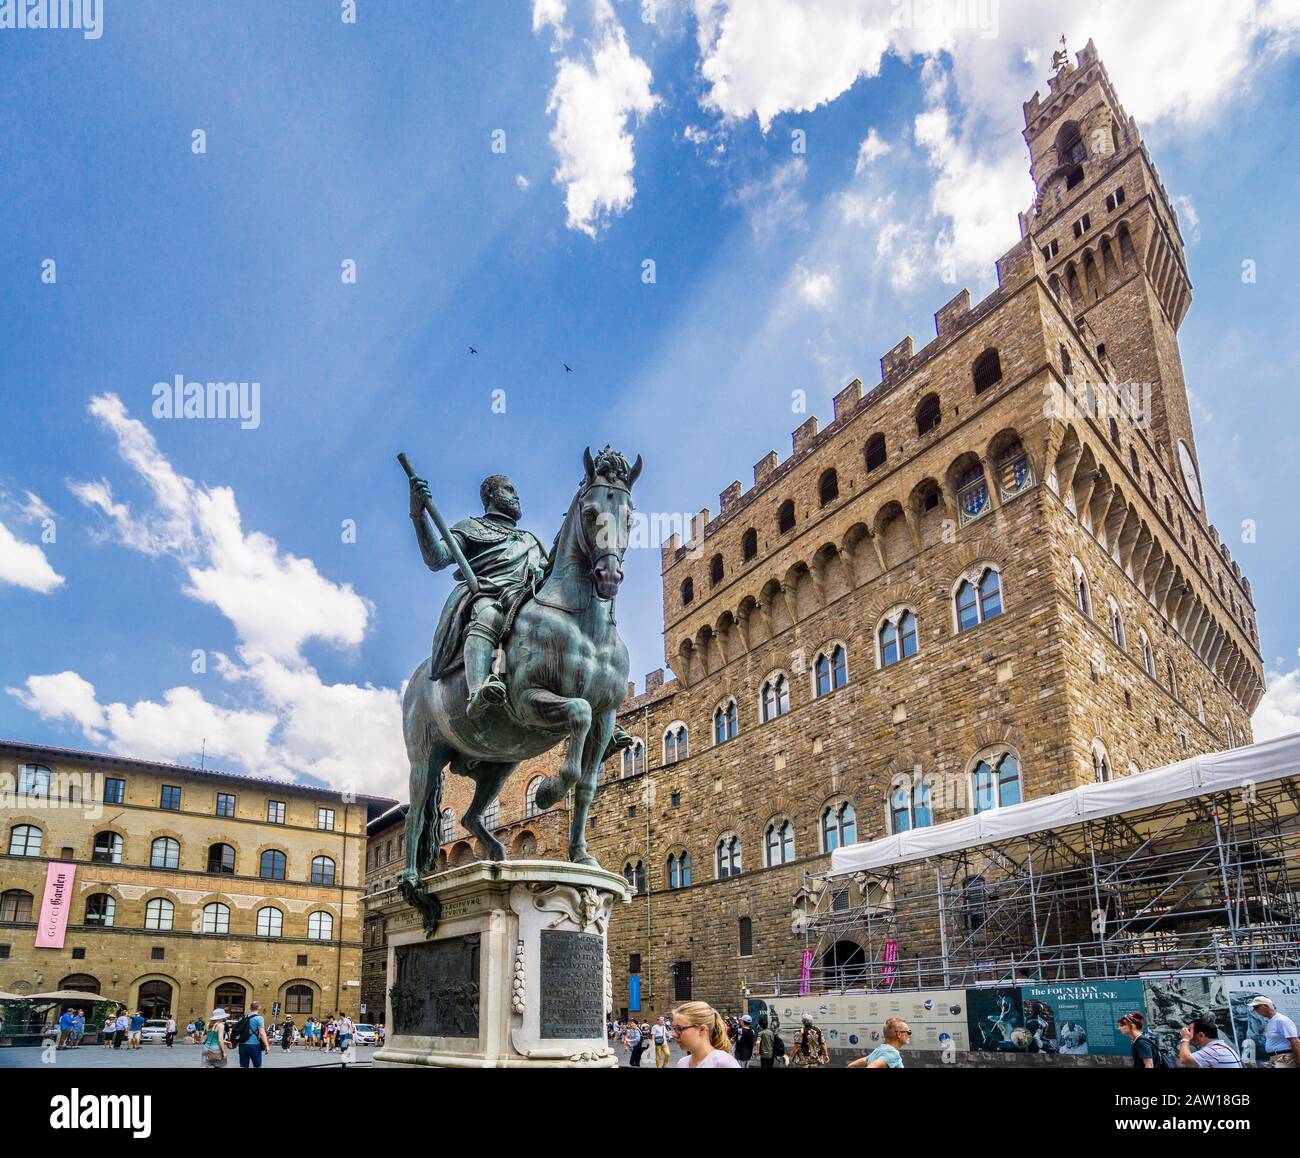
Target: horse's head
x=604, y=508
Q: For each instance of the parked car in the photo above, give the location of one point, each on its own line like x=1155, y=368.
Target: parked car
x=155, y=1030
x=366, y=1035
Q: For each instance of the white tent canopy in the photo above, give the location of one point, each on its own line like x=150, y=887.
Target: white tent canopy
x=1257, y=764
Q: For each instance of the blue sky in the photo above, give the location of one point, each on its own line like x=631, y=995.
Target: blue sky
x=810, y=180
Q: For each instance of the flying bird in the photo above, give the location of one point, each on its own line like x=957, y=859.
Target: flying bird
x=567, y=368
x=472, y=350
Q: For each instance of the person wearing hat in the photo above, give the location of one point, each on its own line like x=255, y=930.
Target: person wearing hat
x=744, y=1049
x=809, y=1050
x=1281, y=1040
x=213, y=1055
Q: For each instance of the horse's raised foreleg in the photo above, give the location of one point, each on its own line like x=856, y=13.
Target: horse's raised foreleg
x=546, y=709
x=488, y=781
x=592, y=758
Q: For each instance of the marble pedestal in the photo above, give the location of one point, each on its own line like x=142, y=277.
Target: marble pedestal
x=517, y=974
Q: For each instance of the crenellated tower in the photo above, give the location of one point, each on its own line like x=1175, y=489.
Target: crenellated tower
x=1110, y=239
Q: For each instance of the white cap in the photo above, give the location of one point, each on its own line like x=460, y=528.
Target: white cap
x=1256, y=1002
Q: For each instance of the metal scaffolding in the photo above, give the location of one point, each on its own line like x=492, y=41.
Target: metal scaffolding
x=1209, y=882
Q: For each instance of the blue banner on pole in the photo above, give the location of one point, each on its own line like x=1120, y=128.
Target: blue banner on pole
x=634, y=993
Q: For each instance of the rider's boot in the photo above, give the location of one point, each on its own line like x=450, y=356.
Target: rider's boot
x=485, y=690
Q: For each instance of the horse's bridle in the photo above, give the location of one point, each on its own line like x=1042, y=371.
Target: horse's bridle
x=585, y=547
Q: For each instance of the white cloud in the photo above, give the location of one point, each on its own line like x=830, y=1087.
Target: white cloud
x=816, y=288
x=871, y=149
x=1278, y=713
x=25, y=565
x=550, y=14
x=592, y=102
x=776, y=202
x=521, y=181
x=344, y=734
x=1189, y=221
x=1173, y=63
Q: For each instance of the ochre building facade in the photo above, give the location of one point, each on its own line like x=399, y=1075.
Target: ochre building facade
x=190, y=888
x=991, y=577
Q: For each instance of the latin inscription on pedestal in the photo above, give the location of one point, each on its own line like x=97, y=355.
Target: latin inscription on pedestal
x=436, y=991
x=572, y=984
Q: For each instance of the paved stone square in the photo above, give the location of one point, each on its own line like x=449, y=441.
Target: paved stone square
x=182, y=1055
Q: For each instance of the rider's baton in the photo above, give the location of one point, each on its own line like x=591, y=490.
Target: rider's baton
x=471, y=580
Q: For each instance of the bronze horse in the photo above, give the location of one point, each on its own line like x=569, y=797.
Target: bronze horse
x=566, y=676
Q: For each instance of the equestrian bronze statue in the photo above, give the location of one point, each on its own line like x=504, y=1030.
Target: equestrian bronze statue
x=526, y=654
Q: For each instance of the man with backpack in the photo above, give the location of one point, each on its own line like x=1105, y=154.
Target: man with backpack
x=770, y=1045
x=810, y=1050
x=248, y=1035
x=744, y=1050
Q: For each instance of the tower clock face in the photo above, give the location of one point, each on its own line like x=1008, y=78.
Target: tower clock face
x=1188, y=467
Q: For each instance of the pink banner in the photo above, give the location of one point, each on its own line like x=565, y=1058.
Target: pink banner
x=805, y=971
x=891, y=955
x=55, y=904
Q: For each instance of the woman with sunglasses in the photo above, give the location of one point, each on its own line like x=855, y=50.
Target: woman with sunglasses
x=701, y=1032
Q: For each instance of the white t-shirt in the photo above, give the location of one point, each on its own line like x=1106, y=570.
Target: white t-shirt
x=1277, y=1037
x=719, y=1059
x=659, y=1033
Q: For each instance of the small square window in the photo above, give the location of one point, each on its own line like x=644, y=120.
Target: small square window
x=634, y=962
x=65, y=853
x=677, y=799
x=631, y=810
x=275, y=812
x=157, y=953
x=79, y=954
x=225, y=804
x=1128, y=702
x=325, y=819
x=4, y=952
x=302, y=958
x=171, y=798
x=114, y=790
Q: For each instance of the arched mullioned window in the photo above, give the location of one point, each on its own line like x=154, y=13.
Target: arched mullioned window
x=679, y=870
x=216, y=918
x=320, y=927
x=995, y=782
x=774, y=697
x=15, y=907
x=987, y=371
x=716, y=569
x=634, y=874
x=785, y=516
x=778, y=842
x=272, y=865
x=910, y=804
x=34, y=781
x=676, y=743
x=633, y=761
x=447, y=824
x=1116, y=623
x=270, y=922
x=1082, y=591
x=25, y=840
x=828, y=487
x=749, y=544
x=897, y=636
x=1100, y=763
x=928, y=414
x=724, y=722
x=839, y=826
x=875, y=452
x=165, y=852
x=322, y=870
x=159, y=914
x=1148, y=656
x=830, y=670
x=107, y=848
x=221, y=859
x=530, y=793
x=727, y=856
x=100, y=910
x=977, y=597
